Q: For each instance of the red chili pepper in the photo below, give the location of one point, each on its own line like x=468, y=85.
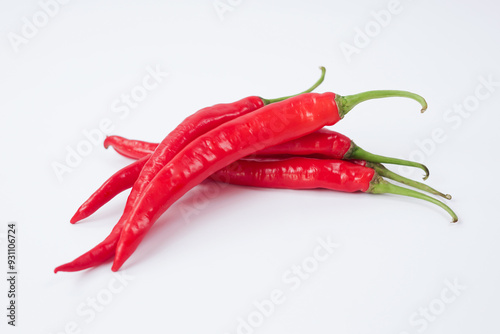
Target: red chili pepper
x=118, y=182
x=334, y=145
x=307, y=173
x=134, y=149
x=323, y=142
x=193, y=126
x=268, y=126
x=298, y=173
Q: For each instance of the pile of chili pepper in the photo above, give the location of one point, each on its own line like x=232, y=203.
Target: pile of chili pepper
x=273, y=143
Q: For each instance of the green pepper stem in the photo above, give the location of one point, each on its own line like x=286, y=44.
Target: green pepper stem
x=313, y=87
x=383, y=171
x=380, y=186
x=346, y=103
x=357, y=152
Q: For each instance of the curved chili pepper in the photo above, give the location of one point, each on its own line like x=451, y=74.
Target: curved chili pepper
x=298, y=173
x=334, y=145
x=134, y=149
x=323, y=142
x=118, y=182
x=307, y=173
x=193, y=126
x=233, y=140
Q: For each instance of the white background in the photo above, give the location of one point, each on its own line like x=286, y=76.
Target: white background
x=199, y=275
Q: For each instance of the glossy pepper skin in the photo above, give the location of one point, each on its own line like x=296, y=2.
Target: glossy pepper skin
x=323, y=141
x=271, y=125
x=298, y=173
x=191, y=128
